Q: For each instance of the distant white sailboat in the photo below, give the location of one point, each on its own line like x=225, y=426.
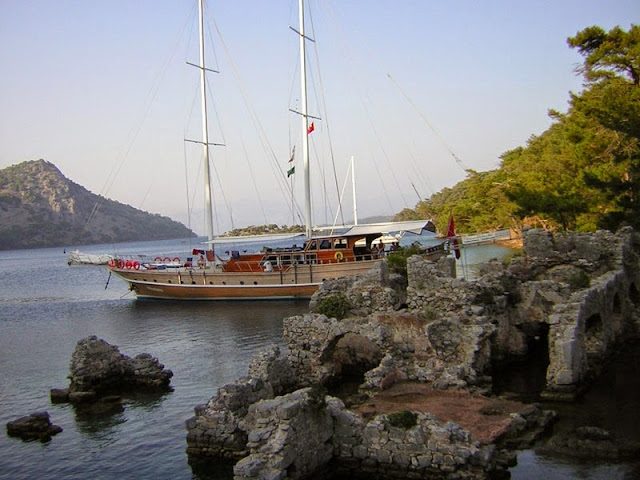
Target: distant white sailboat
x=76, y=257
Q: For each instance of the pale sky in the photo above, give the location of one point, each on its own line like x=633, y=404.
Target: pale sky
x=100, y=88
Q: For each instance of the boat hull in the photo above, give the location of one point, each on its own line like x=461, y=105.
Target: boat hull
x=144, y=290
x=206, y=284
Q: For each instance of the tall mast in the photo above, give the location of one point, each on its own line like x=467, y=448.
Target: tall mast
x=205, y=129
x=305, y=121
x=353, y=188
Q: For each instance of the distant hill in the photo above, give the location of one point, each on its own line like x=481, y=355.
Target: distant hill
x=40, y=207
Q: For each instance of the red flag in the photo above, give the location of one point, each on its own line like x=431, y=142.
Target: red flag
x=451, y=233
x=311, y=128
x=293, y=154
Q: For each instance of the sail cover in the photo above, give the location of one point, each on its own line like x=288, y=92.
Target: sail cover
x=258, y=238
x=414, y=226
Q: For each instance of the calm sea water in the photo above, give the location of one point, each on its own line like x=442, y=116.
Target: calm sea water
x=47, y=306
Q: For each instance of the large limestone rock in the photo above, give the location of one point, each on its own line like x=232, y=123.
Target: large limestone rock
x=36, y=426
x=99, y=369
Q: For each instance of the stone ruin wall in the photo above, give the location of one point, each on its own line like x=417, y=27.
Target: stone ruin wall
x=580, y=288
x=436, y=329
x=300, y=433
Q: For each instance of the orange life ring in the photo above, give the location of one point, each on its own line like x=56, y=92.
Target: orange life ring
x=128, y=264
x=136, y=265
x=166, y=260
x=339, y=256
x=112, y=264
x=120, y=263
x=157, y=259
x=176, y=260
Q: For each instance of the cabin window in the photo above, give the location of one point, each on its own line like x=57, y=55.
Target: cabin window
x=313, y=245
x=340, y=243
x=325, y=244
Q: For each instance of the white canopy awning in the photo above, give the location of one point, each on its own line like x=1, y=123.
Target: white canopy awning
x=257, y=238
x=414, y=226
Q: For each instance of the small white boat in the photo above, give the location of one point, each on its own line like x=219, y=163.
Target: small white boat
x=78, y=258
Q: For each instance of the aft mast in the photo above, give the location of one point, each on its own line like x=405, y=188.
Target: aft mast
x=205, y=132
x=305, y=121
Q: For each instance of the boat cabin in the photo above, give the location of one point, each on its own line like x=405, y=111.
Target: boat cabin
x=317, y=250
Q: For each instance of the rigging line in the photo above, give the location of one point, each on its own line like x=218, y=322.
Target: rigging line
x=424, y=178
x=386, y=194
x=278, y=173
x=191, y=201
x=146, y=194
x=195, y=190
x=417, y=194
x=186, y=181
x=321, y=168
x=417, y=175
x=375, y=58
x=151, y=96
x=393, y=169
x=253, y=180
x=424, y=119
x=215, y=110
x=326, y=117
x=384, y=153
x=222, y=192
x=344, y=187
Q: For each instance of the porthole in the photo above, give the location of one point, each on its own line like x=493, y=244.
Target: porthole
x=193, y=282
x=168, y=281
x=210, y=283
x=224, y=283
x=255, y=283
x=241, y=282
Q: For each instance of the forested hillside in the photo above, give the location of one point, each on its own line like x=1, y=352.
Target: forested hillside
x=40, y=207
x=583, y=173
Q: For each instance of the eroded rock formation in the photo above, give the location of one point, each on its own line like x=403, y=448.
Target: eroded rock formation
x=36, y=426
x=99, y=370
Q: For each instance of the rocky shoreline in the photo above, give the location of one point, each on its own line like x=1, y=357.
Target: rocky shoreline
x=100, y=373
x=426, y=330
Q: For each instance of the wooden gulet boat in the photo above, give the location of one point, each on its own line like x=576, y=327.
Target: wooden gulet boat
x=275, y=273
x=283, y=273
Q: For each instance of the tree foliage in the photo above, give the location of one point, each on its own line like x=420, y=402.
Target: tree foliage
x=583, y=172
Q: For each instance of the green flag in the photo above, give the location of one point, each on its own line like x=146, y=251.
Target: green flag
x=291, y=171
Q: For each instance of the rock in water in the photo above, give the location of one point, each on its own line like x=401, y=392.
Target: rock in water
x=99, y=369
x=36, y=426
